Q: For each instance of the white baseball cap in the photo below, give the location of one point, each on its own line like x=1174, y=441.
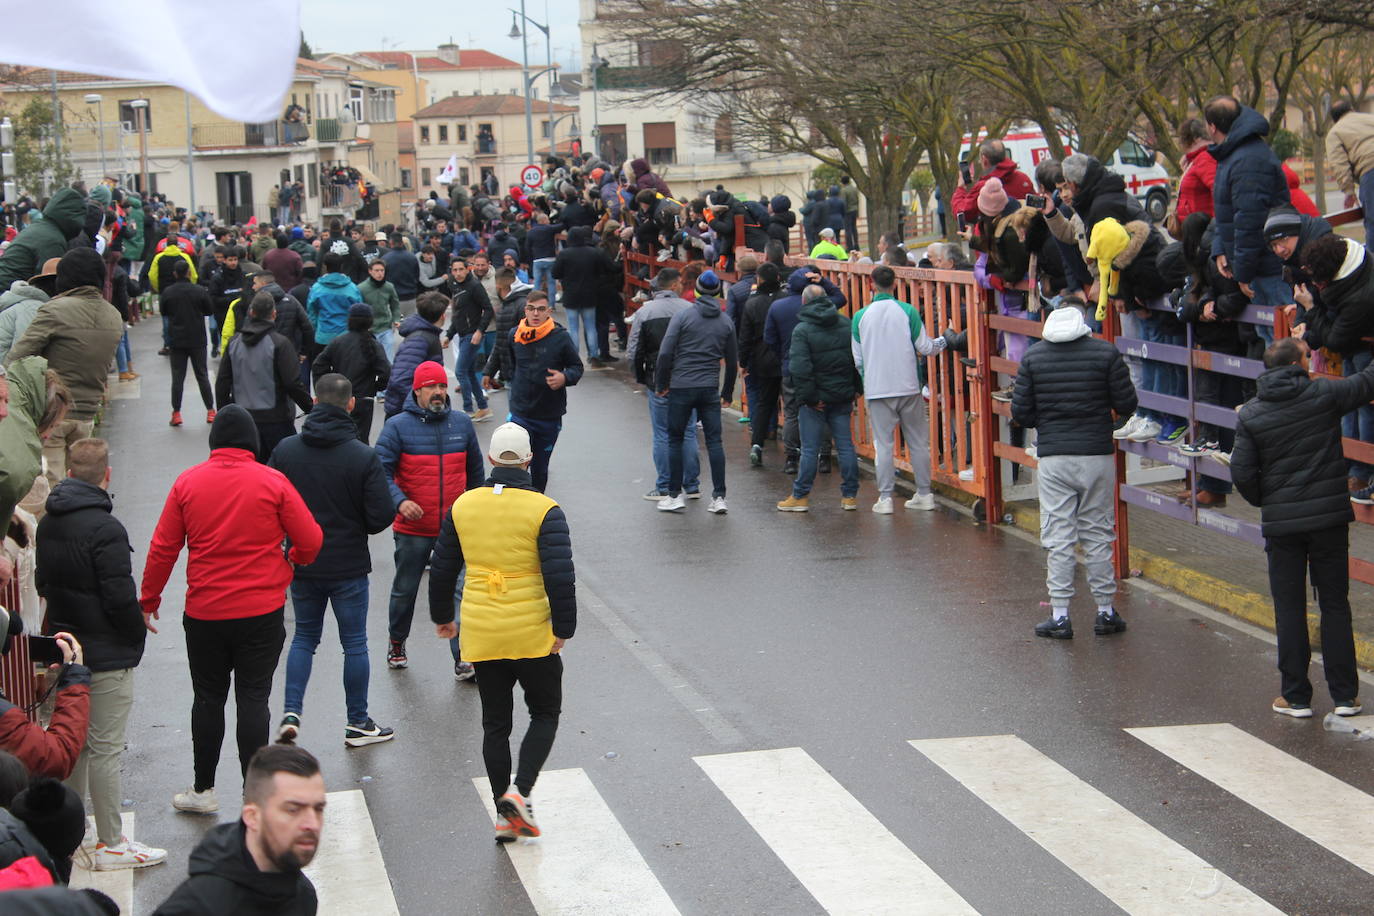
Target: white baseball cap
x=510, y=445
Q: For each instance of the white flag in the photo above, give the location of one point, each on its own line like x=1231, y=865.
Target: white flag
x=450, y=171
x=167, y=41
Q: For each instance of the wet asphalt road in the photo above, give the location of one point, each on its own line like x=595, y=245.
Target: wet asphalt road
x=844, y=634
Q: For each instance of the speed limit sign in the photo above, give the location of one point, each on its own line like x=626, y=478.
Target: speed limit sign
x=532, y=176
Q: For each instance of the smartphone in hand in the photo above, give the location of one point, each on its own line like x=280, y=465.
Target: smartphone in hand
x=44, y=650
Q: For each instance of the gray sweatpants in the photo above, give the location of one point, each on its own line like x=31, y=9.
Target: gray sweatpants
x=884, y=415
x=1076, y=494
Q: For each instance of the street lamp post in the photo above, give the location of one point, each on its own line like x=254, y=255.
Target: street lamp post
x=94, y=99
x=140, y=106
x=597, y=63
x=517, y=32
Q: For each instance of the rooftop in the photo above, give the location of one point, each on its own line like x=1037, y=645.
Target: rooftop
x=475, y=59
x=463, y=106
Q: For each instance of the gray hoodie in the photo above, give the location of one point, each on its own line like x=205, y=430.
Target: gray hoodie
x=17, y=308
x=696, y=341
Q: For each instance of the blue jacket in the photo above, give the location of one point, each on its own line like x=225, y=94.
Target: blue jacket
x=402, y=272
x=834, y=217
x=419, y=343
x=784, y=314
x=1249, y=182
x=330, y=299
x=736, y=296
x=430, y=459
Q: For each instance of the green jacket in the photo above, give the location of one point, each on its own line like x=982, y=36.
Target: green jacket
x=850, y=195
x=134, y=241
x=386, y=305
x=63, y=219
x=304, y=249
x=821, y=359
x=21, y=452
x=77, y=331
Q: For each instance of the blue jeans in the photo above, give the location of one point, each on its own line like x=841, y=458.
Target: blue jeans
x=691, y=457
x=835, y=417
x=543, y=277
x=349, y=598
x=411, y=556
x=385, y=338
x=706, y=403
x=1270, y=291
x=583, y=321
x=466, y=371
x=122, y=352
x=1159, y=377
x=1359, y=423
x=1367, y=201
x=543, y=437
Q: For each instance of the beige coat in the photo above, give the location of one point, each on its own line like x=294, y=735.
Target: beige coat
x=1350, y=149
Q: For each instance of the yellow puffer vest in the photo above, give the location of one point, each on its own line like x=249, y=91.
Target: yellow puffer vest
x=505, y=610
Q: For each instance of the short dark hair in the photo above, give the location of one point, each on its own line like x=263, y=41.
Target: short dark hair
x=180, y=269
x=1322, y=258
x=397, y=240
x=1221, y=112
x=334, y=388
x=537, y=296
x=333, y=263
x=883, y=277
x=282, y=240
x=1191, y=131
x=88, y=460
x=270, y=760
x=359, y=322
x=1285, y=352
x=262, y=306
x=233, y=251
x=505, y=275
x=666, y=277
x=1340, y=109
x=431, y=306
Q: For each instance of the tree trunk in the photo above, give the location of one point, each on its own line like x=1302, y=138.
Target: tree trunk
x=884, y=215
x=1318, y=157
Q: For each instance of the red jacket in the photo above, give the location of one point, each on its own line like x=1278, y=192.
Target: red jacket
x=1195, y=187
x=232, y=514
x=1014, y=182
x=1301, y=202
x=52, y=751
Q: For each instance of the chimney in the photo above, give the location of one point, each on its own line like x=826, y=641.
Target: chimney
x=448, y=53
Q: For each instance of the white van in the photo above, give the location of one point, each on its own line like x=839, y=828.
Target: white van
x=1145, y=178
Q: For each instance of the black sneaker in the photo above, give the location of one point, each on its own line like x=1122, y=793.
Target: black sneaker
x=463, y=671
x=1364, y=497
x=1055, y=629
x=367, y=733
x=823, y=464
x=789, y=466
x=1108, y=622
x=396, y=654
x=756, y=456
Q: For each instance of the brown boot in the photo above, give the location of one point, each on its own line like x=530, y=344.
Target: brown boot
x=1211, y=500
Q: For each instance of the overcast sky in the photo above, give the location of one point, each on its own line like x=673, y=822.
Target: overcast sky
x=370, y=25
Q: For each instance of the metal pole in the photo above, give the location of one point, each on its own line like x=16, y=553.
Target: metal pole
x=56, y=117
x=548, y=46
x=100, y=117
x=525, y=70
x=142, y=151
x=190, y=154
x=596, y=115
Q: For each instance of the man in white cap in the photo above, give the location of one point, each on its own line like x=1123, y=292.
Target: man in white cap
x=519, y=607
x=828, y=246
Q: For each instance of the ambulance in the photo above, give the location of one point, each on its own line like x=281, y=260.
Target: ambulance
x=1145, y=178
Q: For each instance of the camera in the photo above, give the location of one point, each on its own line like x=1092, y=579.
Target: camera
x=1035, y=201
x=962, y=221
x=966, y=171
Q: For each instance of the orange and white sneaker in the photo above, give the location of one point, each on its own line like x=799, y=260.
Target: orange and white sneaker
x=209, y=416
x=517, y=810
x=125, y=854
x=505, y=833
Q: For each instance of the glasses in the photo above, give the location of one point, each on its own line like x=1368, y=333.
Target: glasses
x=536, y=308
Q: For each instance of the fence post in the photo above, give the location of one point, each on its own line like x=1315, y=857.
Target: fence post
x=1121, y=547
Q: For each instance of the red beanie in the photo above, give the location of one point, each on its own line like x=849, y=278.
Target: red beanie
x=429, y=373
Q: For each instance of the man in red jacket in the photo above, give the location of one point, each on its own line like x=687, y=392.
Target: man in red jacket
x=232, y=514
x=995, y=163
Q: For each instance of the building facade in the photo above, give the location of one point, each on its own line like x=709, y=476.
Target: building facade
x=486, y=134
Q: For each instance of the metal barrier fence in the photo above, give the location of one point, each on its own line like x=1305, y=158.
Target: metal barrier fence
x=17, y=680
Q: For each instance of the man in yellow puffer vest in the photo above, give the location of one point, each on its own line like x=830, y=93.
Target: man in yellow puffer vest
x=519, y=606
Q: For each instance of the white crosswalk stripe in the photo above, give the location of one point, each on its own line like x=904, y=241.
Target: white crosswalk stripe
x=1127, y=860
x=839, y=851
x=1321, y=807
x=119, y=885
x=348, y=872
x=584, y=862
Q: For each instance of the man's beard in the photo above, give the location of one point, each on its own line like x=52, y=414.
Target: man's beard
x=435, y=405
x=288, y=860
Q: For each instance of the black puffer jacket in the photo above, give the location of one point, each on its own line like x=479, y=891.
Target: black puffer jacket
x=292, y=321
x=358, y=356
x=1346, y=314
x=1068, y=386
x=583, y=268
x=781, y=220
x=186, y=306
x=1287, y=459
x=1103, y=194
x=754, y=354
x=822, y=355
x=85, y=573
x=225, y=881
x=343, y=483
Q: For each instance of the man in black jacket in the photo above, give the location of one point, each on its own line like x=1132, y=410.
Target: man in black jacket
x=359, y=358
x=471, y=313
x=546, y=365
x=226, y=284
x=343, y=483
x=260, y=372
x=1288, y=461
x=254, y=864
x=762, y=368
x=402, y=272
x=583, y=268
x=1068, y=387
x=84, y=572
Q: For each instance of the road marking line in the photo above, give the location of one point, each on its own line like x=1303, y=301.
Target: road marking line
x=1130, y=862
x=584, y=861
x=119, y=885
x=839, y=851
x=1327, y=811
x=348, y=872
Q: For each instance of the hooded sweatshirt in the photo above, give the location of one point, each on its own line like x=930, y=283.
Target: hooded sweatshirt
x=821, y=359
x=697, y=339
x=21, y=452
x=223, y=880
x=17, y=308
x=327, y=307
x=784, y=313
x=63, y=220
x=261, y=372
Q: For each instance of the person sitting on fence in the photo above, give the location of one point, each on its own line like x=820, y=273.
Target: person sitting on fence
x=1002, y=264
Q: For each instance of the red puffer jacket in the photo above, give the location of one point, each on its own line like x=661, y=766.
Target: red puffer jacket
x=51, y=752
x=1195, y=187
x=429, y=459
x=1014, y=181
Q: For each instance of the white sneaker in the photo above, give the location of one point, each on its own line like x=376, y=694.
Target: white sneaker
x=924, y=503
x=1128, y=427
x=966, y=474
x=125, y=854
x=193, y=802
x=883, y=506
x=1146, y=431
x=672, y=503
x=717, y=506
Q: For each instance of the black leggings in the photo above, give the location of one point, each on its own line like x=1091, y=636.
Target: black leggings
x=541, y=679
x=197, y=357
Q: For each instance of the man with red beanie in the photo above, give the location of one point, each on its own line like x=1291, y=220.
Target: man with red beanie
x=232, y=514
x=431, y=455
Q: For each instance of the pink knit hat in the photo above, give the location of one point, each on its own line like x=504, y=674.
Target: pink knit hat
x=992, y=198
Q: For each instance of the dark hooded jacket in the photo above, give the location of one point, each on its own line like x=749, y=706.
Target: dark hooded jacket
x=471, y=310
x=754, y=354
x=1346, y=315
x=225, y=881
x=186, y=305
x=835, y=210
x=814, y=213
x=645, y=178
x=781, y=221
x=63, y=220
x=359, y=357
x=292, y=322
x=822, y=357
x=1287, y=458
x=1249, y=183
x=85, y=572
x=1311, y=229
x=286, y=369
x=1103, y=194
x=785, y=312
x=342, y=481
x=419, y=344
x=696, y=341
x=583, y=269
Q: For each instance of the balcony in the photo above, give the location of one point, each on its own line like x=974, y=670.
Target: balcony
x=486, y=146
x=339, y=198
x=249, y=136
x=335, y=130
x=632, y=77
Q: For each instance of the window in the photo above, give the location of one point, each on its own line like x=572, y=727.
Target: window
x=463, y=175
x=424, y=177
x=355, y=102
x=1133, y=154
x=486, y=140
x=725, y=134
x=313, y=183
x=130, y=119
x=611, y=144
x=406, y=178
x=660, y=143
x=462, y=133
x=544, y=129
x=424, y=133
x=443, y=133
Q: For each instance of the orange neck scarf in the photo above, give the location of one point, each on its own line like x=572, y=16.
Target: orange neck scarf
x=528, y=335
